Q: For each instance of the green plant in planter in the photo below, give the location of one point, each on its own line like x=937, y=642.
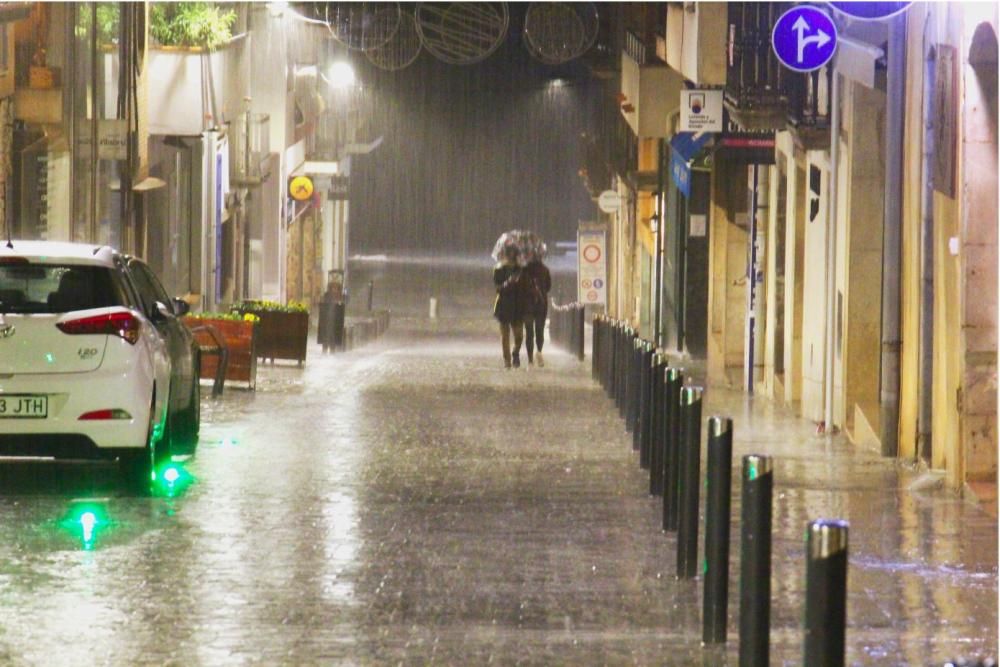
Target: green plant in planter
x=230, y=317
x=191, y=24
x=108, y=21
x=271, y=307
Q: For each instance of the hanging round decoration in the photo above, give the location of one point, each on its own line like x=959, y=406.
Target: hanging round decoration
x=557, y=32
x=462, y=33
x=402, y=50
x=363, y=25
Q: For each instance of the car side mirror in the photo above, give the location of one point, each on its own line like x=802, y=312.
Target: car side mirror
x=162, y=311
x=181, y=307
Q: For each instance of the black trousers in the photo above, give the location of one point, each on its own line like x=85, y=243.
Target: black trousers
x=534, y=331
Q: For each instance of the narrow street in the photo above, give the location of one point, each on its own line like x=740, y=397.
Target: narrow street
x=411, y=502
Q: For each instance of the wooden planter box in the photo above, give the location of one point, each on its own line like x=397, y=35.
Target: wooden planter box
x=281, y=335
x=241, y=341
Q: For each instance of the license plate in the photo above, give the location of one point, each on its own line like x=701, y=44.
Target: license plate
x=23, y=406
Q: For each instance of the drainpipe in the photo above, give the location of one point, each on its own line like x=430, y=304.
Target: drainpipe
x=924, y=418
x=831, y=251
x=895, y=90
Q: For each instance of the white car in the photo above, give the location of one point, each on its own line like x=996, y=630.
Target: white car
x=94, y=362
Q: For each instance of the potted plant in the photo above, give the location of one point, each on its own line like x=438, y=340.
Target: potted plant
x=191, y=25
x=238, y=333
x=283, y=331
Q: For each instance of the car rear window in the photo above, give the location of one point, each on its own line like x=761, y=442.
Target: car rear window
x=51, y=288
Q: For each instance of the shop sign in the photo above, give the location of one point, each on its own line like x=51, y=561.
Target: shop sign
x=339, y=188
x=701, y=111
x=112, y=139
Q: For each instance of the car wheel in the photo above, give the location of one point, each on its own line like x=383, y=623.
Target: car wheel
x=137, y=466
x=187, y=423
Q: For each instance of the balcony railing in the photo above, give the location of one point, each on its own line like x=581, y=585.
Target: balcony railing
x=756, y=83
x=249, y=146
x=624, y=148
x=809, y=100
x=635, y=47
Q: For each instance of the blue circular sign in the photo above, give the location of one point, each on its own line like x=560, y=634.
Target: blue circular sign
x=804, y=38
x=871, y=11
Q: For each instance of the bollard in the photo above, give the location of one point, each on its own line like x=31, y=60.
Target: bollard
x=646, y=407
x=656, y=412
x=612, y=351
x=640, y=385
x=371, y=294
x=595, y=346
x=581, y=318
x=673, y=381
x=645, y=391
x=826, y=593
x=657, y=444
x=689, y=469
x=632, y=397
x=755, y=561
x=718, y=483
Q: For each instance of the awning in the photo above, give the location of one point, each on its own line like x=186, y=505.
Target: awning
x=688, y=143
x=684, y=146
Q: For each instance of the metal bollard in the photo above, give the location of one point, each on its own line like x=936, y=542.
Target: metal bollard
x=613, y=359
x=632, y=402
x=718, y=483
x=595, y=346
x=640, y=408
x=656, y=411
x=645, y=392
x=658, y=444
x=673, y=381
x=755, y=561
x=826, y=593
x=581, y=338
x=689, y=469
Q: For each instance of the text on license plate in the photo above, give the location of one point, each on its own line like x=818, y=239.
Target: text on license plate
x=24, y=406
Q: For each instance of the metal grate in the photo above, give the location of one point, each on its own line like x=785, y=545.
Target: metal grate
x=557, y=32
x=462, y=33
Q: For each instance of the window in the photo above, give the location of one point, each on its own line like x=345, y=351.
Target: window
x=43, y=288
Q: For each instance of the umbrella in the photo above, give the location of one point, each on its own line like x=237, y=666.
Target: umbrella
x=529, y=246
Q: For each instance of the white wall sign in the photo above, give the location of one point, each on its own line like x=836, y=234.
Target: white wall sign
x=609, y=201
x=592, y=277
x=699, y=224
x=701, y=111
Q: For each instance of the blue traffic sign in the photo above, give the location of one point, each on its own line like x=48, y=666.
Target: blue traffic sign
x=871, y=11
x=804, y=38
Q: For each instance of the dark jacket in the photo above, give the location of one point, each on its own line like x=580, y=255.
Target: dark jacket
x=511, y=303
x=539, y=284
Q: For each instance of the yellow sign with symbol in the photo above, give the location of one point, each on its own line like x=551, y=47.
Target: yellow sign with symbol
x=300, y=188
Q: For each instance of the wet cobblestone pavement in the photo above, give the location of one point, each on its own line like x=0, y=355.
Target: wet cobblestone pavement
x=412, y=503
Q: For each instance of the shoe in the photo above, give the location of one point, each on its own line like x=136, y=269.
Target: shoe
x=506, y=364
x=517, y=360
x=541, y=362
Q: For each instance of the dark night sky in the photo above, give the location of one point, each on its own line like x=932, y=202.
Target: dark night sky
x=471, y=151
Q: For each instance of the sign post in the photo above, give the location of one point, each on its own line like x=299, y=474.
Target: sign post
x=804, y=38
x=591, y=281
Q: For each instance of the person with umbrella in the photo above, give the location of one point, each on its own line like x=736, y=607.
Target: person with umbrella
x=510, y=305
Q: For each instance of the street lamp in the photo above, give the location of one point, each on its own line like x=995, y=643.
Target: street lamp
x=341, y=75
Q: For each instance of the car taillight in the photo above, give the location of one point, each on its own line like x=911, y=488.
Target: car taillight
x=124, y=325
x=100, y=415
